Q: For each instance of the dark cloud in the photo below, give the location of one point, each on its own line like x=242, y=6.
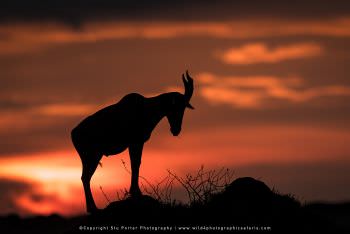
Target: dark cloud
x=38, y=197
x=53, y=135
x=26, y=198
x=75, y=13
x=10, y=190
x=12, y=105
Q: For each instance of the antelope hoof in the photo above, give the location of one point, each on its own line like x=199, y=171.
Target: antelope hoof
x=135, y=193
x=93, y=210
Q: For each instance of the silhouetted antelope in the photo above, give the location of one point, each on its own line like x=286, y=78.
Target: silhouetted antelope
x=126, y=124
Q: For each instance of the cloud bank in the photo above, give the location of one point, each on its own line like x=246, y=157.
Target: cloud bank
x=29, y=37
x=256, y=91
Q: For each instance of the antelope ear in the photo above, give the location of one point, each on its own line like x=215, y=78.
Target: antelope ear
x=188, y=105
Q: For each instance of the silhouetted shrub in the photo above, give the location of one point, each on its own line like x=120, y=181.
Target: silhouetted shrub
x=200, y=186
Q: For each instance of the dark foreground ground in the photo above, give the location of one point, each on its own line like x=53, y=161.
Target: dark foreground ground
x=246, y=205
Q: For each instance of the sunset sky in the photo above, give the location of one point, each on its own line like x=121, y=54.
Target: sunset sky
x=271, y=98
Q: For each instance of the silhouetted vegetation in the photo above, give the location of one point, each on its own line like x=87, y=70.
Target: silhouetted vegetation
x=215, y=202
x=200, y=186
x=214, y=198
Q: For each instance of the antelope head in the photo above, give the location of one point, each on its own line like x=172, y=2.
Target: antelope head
x=179, y=102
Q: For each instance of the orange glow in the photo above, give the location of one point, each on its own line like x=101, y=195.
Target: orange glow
x=260, y=53
x=58, y=173
x=245, y=99
x=66, y=109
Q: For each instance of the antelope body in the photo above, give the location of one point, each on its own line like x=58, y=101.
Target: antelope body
x=127, y=124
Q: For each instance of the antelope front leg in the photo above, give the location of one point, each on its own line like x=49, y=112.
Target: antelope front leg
x=135, y=152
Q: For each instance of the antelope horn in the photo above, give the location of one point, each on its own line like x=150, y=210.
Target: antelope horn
x=188, y=83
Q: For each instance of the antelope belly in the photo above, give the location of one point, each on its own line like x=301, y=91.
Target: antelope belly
x=112, y=150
